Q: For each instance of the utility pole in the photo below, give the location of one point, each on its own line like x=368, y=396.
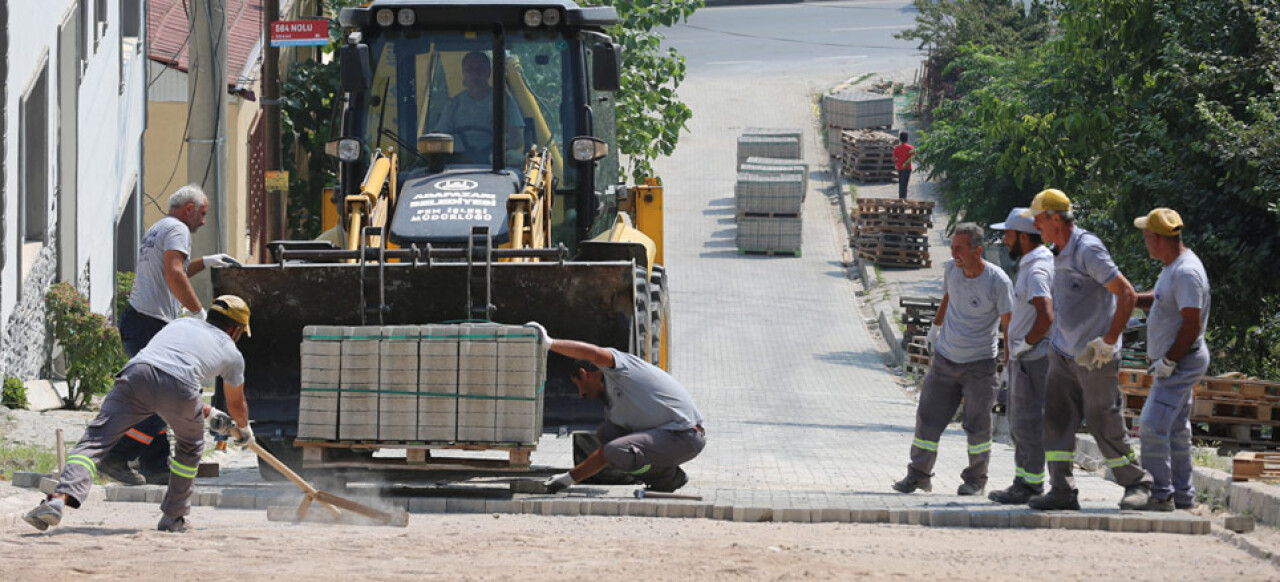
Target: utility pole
x=277, y=202
x=207, y=134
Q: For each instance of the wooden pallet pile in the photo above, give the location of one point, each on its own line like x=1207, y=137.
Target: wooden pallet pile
x=1255, y=465
x=893, y=233
x=851, y=109
x=770, y=191
x=917, y=315
x=1226, y=410
x=867, y=155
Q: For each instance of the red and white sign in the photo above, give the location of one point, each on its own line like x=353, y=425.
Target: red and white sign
x=299, y=33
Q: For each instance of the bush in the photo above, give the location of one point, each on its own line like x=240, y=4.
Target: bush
x=91, y=345
x=15, y=394
x=124, y=287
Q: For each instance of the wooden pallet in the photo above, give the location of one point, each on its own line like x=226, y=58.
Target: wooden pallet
x=418, y=456
x=1226, y=386
x=1255, y=465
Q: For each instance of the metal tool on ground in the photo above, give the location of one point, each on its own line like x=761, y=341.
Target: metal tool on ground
x=643, y=493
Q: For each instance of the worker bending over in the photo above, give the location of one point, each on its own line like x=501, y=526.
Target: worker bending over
x=164, y=379
x=651, y=424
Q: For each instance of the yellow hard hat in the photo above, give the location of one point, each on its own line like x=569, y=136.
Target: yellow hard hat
x=1051, y=199
x=234, y=308
x=1162, y=221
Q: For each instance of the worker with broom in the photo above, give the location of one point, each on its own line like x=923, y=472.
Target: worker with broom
x=164, y=379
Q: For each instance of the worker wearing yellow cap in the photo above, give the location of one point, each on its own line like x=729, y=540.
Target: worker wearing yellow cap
x=1092, y=302
x=164, y=379
x=1177, y=313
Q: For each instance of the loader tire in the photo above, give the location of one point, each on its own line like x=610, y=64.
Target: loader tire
x=658, y=314
x=643, y=318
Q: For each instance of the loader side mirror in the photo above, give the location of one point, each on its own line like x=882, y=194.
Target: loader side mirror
x=606, y=66
x=354, y=65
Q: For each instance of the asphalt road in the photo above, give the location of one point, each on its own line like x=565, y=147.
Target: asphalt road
x=769, y=39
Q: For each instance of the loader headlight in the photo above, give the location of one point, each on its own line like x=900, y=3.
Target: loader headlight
x=345, y=149
x=533, y=18
x=551, y=17
x=386, y=17
x=406, y=17
x=589, y=149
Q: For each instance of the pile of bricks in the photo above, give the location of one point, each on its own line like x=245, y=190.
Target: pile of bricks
x=849, y=109
x=770, y=191
x=867, y=155
x=893, y=233
x=446, y=384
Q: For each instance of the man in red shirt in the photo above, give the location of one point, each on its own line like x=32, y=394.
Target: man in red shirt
x=902, y=162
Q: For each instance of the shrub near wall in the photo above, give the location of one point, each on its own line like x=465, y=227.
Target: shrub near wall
x=91, y=345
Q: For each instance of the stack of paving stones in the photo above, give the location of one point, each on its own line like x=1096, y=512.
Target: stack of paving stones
x=474, y=383
x=893, y=233
x=849, y=110
x=770, y=191
x=867, y=155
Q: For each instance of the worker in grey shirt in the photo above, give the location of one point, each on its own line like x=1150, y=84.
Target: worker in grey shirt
x=651, y=424
x=164, y=379
x=1029, y=327
x=1092, y=301
x=468, y=116
x=1177, y=313
x=976, y=301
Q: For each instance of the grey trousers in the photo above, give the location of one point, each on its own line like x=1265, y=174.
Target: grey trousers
x=139, y=392
x=1026, y=419
x=651, y=456
x=944, y=386
x=1164, y=429
x=1075, y=393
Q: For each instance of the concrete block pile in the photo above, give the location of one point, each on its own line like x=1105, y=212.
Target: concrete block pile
x=770, y=191
x=434, y=384
x=867, y=155
x=846, y=109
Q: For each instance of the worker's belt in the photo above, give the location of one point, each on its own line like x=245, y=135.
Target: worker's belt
x=697, y=428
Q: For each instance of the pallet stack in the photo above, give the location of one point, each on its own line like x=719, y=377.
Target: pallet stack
x=850, y=110
x=1230, y=411
x=917, y=315
x=893, y=233
x=867, y=155
x=770, y=191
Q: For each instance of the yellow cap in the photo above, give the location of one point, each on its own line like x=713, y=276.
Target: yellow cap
x=1162, y=221
x=235, y=308
x=1050, y=199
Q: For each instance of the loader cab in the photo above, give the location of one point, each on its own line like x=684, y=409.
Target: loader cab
x=498, y=82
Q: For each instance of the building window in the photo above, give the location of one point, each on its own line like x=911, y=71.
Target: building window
x=33, y=159
x=130, y=29
x=99, y=22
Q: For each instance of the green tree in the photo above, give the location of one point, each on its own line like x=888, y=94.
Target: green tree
x=90, y=344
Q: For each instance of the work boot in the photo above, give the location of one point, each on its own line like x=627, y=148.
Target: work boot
x=158, y=478
x=910, y=483
x=1017, y=494
x=968, y=489
x=48, y=513
x=173, y=524
x=1184, y=504
x=119, y=469
x=1136, y=496
x=1055, y=500
x=676, y=481
x=1154, y=504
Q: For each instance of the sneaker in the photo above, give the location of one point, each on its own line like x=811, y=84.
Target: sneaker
x=970, y=489
x=1055, y=500
x=44, y=515
x=678, y=480
x=1016, y=494
x=910, y=483
x=173, y=524
x=1154, y=504
x=1135, y=497
x=119, y=469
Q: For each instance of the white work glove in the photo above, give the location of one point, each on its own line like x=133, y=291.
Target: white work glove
x=1021, y=347
x=543, y=336
x=558, y=483
x=1097, y=353
x=243, y=435
x=934, y=331
x=220, y=422
x=1162, y=368
x=203, y=315
x=1004, y=377
x=220, y=260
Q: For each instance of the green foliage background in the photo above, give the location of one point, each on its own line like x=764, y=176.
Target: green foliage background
x=1126, y=105
x=91, y=345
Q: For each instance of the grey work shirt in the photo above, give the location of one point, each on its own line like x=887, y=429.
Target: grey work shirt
x=640, y=396
x=1035, y=279
x=1082, y=304
x=974, y=307
x=474, y=118
x=1182, y=284
x=151, y=295
x=194, y=351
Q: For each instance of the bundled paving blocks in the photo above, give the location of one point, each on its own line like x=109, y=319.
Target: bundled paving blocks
x=769, y=234
x=893, y=233
x=867, y=155
x=770, y=143
x=433, y=384
x=850, y=109
x=770, y=191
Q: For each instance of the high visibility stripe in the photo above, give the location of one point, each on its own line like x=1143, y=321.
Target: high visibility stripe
x=1121, y=461
x=139, y=436
x=1029, y=477
x=926, y=445
x=980, y=448
x=1059, y=456
x=644, y=469
x=182, y=470
x=85, y=462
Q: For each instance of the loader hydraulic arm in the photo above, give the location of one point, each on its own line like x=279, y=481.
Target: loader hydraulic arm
x=372, y=206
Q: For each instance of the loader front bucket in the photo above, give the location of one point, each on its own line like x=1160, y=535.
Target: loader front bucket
x=589, y=301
